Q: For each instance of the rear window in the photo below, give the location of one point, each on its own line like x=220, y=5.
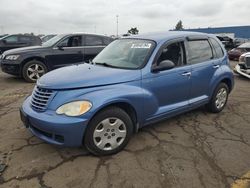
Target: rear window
x=218, y=50
x=199, y=51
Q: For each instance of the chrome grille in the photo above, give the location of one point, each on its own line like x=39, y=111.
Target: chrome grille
x=248, y=62
x=41, y=98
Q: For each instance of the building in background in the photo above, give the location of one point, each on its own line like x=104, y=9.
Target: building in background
x=232, y=32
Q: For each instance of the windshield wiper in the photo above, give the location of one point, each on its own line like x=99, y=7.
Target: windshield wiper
x=105, y=64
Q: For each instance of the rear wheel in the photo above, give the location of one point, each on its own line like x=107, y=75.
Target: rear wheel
x=219, y=98
x=108, y=132
x=33, y=70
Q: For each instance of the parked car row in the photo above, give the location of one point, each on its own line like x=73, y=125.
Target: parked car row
x=62, y=50
x=235, y=53
x=230, y=43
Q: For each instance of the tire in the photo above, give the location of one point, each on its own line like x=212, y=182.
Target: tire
x=219, y=98
x=108, y=132
x=38, y=69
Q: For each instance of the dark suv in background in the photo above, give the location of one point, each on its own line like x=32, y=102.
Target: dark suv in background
x=62, y=50
x=17, y=41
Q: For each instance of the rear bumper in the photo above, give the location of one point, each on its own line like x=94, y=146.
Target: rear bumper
x=53, y=128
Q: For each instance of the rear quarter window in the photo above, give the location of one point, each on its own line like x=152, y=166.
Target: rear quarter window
x=217, y=48
x=199, y=51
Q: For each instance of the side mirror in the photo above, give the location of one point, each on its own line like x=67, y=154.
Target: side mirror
x=163, y=65
x=60, y=46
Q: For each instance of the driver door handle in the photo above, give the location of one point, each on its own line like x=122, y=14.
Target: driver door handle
x=216, y=66
x=186, y=74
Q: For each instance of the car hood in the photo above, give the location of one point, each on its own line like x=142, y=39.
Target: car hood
x=235, y=51
x=86, y=75
x=24, y=50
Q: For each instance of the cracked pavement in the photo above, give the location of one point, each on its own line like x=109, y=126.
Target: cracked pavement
x=195, y=149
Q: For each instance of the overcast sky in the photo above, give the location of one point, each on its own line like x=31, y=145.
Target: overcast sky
x=63, y=16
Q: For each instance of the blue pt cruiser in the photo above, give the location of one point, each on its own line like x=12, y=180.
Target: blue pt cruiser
x=133, y=82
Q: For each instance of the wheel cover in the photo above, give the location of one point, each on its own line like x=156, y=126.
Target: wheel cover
x=221, y=98
x=109, y=133
x=35, y=71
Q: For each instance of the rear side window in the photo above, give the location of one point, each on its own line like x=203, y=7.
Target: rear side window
x=93, y=41
x=199, y=51
x=217, y=48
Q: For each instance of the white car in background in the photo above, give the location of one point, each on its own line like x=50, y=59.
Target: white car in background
x=243, y=67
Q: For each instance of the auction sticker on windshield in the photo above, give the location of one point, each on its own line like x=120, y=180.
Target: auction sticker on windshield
x=141, y=45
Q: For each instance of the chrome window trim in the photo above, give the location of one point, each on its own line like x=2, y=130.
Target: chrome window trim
x=76, y=47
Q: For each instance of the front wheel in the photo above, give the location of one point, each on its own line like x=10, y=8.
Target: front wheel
x=33, y=70
x=219, y=98
x=108, y=132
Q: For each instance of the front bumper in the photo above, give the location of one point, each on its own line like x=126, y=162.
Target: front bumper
x=53, y=128
x=242, y=72
x=10, y=67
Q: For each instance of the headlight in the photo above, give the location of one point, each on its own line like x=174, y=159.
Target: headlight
x=75, y=108
x=12, y=57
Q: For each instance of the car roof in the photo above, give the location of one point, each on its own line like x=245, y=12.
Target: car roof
x=82, y=33
x=26, y=35
x=164, y=36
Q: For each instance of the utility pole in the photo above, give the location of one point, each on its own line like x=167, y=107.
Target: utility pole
x=117, y=16
x=2, y=29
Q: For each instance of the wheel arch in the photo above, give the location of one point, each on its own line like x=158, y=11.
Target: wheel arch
x=228, y=82
x=38, y=58
x=225, y=79
x=124, y=105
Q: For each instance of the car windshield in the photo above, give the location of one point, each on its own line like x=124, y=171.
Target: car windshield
x=53, y=40
x=245, y=45
x=5, y=36
x=125, y=53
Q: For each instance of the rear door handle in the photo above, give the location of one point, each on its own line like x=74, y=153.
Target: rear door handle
x=186, y=74
x=216, y=66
